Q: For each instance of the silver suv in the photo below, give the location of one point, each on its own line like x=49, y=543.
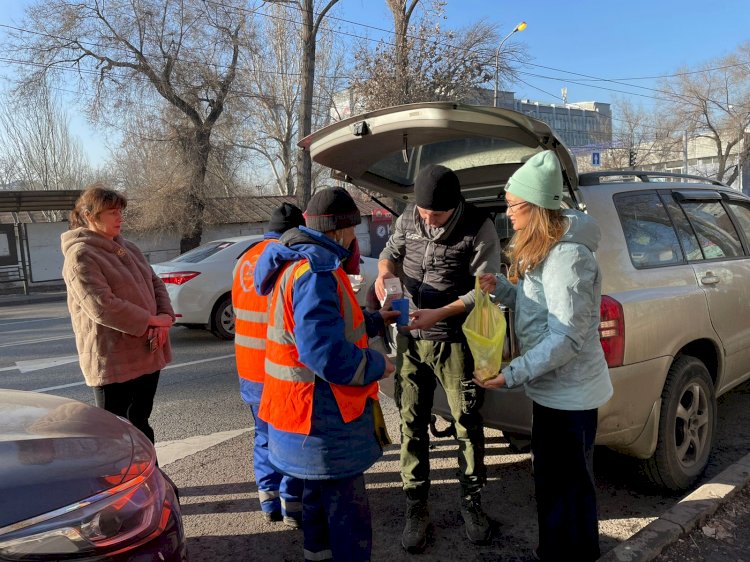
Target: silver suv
x=675, y=257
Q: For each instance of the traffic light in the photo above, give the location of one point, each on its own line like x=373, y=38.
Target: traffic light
x=631, y=158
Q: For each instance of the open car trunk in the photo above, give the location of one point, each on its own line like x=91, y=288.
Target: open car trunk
x=384, y=150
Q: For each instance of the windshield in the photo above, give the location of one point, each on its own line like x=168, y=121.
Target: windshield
x=202, y=252
x=457, y=154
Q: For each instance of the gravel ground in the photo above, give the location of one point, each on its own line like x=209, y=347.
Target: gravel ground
x=222, y=523
x=724, y=537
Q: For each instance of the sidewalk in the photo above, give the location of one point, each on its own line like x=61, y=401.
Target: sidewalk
x=688, y=514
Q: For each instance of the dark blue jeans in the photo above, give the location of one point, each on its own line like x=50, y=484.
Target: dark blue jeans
x=132, y=400
x=562, y=447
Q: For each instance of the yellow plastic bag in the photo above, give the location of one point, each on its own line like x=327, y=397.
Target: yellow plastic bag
x=485, y=333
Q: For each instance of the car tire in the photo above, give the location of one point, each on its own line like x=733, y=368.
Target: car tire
x=222, y=319
x=687, y=426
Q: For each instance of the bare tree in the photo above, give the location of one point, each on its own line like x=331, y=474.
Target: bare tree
x=39, y=150
x=140, y=57
x=713, y=102
x=402, y=11
x=425, y=62
x=149, y=166
x=272, y=78
x=149, y=169
x=639, y=137
x=265, y=122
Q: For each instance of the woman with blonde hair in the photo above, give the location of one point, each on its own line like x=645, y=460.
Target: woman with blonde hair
x=555, y=293
x=119, y=308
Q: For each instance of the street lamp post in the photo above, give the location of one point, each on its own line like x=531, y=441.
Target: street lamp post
x=520, y=27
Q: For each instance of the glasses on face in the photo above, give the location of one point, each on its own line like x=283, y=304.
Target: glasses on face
x=515, y=206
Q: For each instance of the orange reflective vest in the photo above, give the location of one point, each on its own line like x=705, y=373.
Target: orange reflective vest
x=287, y=401
x=251, y=317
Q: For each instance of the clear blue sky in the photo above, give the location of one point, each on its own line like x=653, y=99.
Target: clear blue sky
x=605, y=39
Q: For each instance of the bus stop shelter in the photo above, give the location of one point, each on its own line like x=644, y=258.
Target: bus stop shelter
x=16, y=235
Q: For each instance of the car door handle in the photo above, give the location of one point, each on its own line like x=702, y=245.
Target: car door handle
x=709, y=278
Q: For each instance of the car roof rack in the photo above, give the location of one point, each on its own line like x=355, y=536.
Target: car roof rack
x=594, y=178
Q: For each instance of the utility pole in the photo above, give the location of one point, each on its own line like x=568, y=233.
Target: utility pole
x=685, y=151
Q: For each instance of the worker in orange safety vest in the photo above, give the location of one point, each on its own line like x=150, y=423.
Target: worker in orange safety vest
x=280, y=495
x=321, y=391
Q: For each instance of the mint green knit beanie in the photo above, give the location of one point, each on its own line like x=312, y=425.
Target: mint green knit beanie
x=538, y=181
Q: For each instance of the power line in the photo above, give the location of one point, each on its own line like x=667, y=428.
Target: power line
x=583, y=77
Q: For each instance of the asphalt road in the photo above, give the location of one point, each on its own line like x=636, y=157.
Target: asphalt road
x=197, y=393
x=198, y=396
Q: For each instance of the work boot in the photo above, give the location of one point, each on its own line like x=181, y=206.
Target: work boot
x=478, y=527
x=414, y=537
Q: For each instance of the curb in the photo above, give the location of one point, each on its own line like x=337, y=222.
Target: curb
x=20, y=299
x=686, y=515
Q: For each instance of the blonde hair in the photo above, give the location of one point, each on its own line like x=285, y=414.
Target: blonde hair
x=530, y=246
x=96, y=199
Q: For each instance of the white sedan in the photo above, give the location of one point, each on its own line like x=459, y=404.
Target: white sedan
x=199, y=283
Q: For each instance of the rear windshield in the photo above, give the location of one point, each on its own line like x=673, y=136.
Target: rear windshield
x=202, y=252
x=457, y=154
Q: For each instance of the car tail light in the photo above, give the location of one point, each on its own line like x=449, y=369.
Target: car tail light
x=178, y=277
x=612, y=331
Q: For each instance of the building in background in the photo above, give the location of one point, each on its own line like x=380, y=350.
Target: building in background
x=692, y=155
x=583, y=126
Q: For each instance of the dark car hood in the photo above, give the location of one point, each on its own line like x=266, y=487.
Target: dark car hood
x=55, y=452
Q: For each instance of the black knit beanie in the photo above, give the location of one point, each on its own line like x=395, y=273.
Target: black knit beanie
x=285, y=217
x=437, y=189
x=332, y=209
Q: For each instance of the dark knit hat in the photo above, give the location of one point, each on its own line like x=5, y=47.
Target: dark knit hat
x=285, y=217
x=332, y=209
x=437, y=189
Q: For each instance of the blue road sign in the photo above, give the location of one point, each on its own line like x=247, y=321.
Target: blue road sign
x=595, y=158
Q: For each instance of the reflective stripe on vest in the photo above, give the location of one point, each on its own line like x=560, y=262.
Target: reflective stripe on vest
x=251, y=317
x=287, y=399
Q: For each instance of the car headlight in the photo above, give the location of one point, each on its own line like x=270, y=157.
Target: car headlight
x=129, y=513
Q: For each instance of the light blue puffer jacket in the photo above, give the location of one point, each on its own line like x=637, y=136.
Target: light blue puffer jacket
x=556, y=309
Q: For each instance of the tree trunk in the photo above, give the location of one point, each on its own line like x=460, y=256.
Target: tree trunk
x=198, y=155
x=401, y=18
